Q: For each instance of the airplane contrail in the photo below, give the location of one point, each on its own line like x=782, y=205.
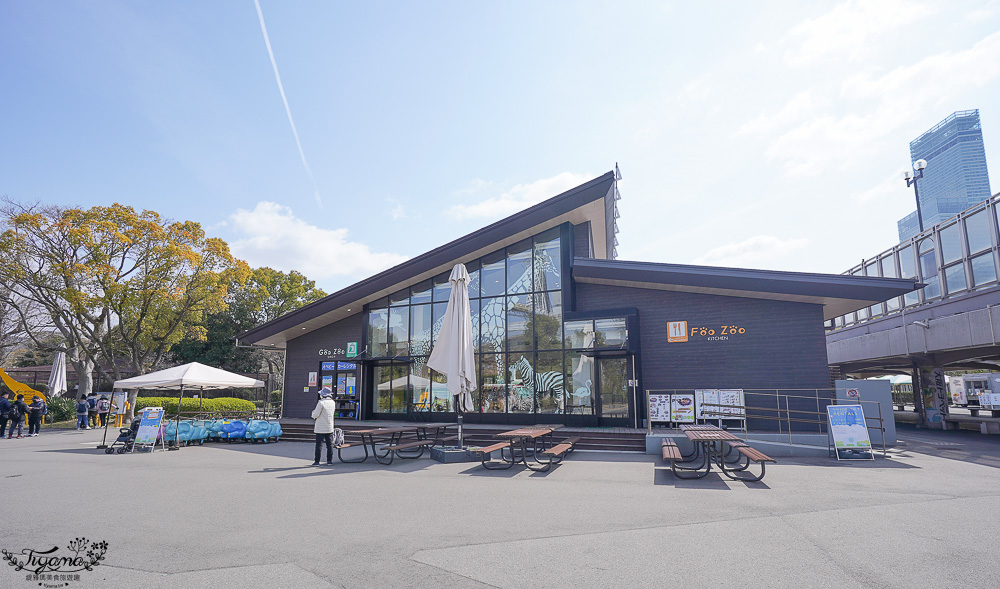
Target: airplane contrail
x=288, y=111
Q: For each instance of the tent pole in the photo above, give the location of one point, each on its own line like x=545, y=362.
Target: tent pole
x=177, y=426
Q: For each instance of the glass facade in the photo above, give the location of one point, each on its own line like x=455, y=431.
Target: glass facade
x=525, y=364
x=951, y=259
x=956, y=177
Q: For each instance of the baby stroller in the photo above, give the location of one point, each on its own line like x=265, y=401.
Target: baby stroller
x=126, y=439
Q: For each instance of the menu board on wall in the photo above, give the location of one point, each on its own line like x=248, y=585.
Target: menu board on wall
x=659, y=408
x=734, y=403
x=682, y=408
x=703, y=396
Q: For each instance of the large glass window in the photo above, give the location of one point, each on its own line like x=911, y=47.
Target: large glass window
x=492, y=275
x=951, y=243
x=977, y=231
x=399, y=331
x=954, y=277
x=442, y=288
x=871, y=269
x=907, y=269
x=420, y=385
x=492, y=384
x=983, y=269
x=610, y=333
x=420, y=330
x=493, y=321
x=549, y=388
x=521, y=384
x=548, y=261
x=580, y=334
x=519, y=323
x=548, y=321
x=442, y=398
x=888, y=265
x=378, y=331
x=519, y=268
x=421, y=293
x=929, y=269
x=579, y=384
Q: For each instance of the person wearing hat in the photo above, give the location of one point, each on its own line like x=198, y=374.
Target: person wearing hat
x=35, y=412
x=323, y=414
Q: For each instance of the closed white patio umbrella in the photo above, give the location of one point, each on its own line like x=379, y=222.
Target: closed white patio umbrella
x=57, y=376
x=453, y=354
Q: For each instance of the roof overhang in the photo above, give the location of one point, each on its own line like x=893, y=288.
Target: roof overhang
x=837, y=293
x=590, y=201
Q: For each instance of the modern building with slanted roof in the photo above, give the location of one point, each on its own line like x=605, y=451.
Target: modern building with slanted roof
x=565, y=332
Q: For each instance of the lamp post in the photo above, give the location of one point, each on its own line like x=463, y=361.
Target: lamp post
x=911, y=180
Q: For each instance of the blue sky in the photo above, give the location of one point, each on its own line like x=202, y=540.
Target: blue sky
x=765, y=135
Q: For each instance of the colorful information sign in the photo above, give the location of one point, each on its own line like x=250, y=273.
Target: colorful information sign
x=659, y=407
x=850, y=432
x=734, y=406
x=328, y=381
x=682, y=408
x=352, y=349
x=312, y=379
x=327, y=366
x=149, y=426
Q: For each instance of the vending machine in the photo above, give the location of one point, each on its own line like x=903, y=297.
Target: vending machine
x=342, y=379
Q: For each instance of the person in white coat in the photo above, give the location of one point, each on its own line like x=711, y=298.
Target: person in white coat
x=323, y=414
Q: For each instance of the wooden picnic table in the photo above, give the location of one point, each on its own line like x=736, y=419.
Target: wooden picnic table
x=709, y=445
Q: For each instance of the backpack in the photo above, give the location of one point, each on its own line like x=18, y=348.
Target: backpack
x=103, y=406
x=338, y=436
x=82, y=406
x=92, y=402
x=45, y=409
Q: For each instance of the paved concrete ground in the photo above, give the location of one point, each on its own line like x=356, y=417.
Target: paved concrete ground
x=258, y=516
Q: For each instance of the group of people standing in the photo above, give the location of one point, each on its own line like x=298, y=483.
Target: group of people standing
x=90, y=410
x=12, y=413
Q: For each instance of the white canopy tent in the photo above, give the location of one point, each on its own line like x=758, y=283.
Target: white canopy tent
x=188, y=376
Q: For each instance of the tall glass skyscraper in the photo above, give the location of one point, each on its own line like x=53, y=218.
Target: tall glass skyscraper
x=956, y=176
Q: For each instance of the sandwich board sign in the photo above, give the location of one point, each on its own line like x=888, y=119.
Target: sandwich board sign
x=149, y=427
x=850, y=432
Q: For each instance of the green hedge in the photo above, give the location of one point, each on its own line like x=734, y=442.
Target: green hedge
x=169, y=404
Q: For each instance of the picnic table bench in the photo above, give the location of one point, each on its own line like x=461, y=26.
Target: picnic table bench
x=713, y=445
x=515, y=443
x=392, y=442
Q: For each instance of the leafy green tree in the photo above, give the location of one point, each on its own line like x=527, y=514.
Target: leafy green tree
x=120, y=287
x=267, y=295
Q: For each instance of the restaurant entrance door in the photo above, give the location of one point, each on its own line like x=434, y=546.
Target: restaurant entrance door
x=612, y=390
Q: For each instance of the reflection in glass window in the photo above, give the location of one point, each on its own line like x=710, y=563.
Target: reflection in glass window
x=442, y=288
x=580, y=334
x=610, y=333
x=549, y=389
x=400, y=298
x=954, y=277
x=519, y=268
x=519, y=323
x=421, y=293
x=493, y=323
x=474, y=311
x=579, y=384
x=383, y=388
x=548, y=321
x=929, y=269
x=951, y=243
x=378, y=332
x=399, y=386
x=983, y=269
x=492, y=384
x=907, y=269
x=548, y=261
x=420, y=330
x=440, y=395
x=399, y=330
x=888, y=267
x=420, y=385
x=437, y=317
x=520, y=384
x=977, y=231
x=473, y=268
x=492, y=274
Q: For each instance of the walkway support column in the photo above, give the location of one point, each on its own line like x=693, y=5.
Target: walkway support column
x=932, y=398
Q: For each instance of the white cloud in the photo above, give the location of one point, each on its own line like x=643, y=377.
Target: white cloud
x=821, y=142
x=517, y=198
x=271, y=235
x=847, y=29
x=397, y=211
x=756, y=251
